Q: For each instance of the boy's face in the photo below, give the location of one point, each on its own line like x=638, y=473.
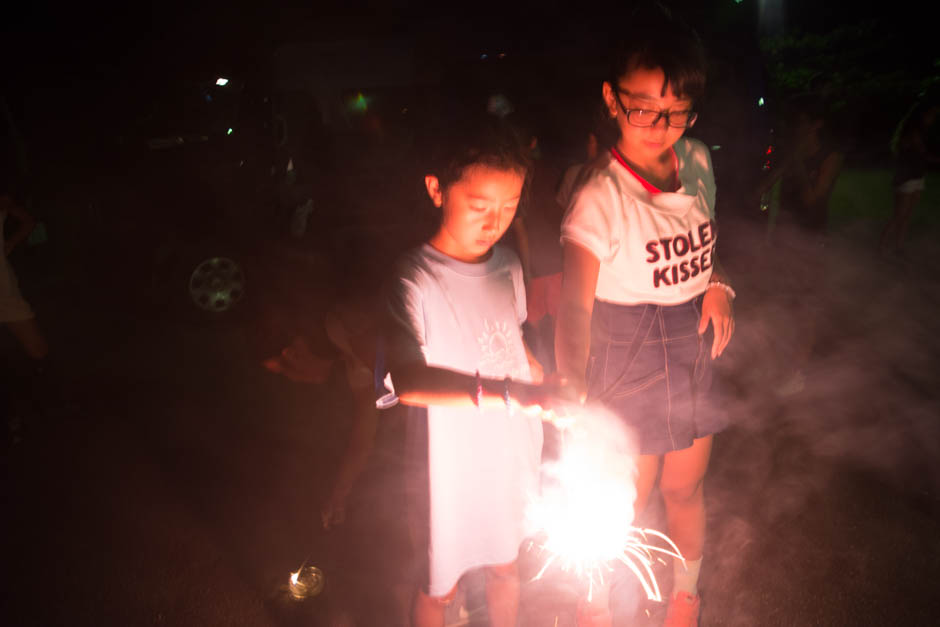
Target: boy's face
x=476, y=210
x=641, y=88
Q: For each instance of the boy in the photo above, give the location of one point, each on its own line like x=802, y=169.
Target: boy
x=455, y=346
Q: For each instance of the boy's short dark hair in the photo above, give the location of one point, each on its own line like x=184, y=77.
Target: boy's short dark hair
x=657, y=39
x=476, y=140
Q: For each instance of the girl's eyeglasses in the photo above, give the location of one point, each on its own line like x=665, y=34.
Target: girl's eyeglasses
x=645, y=117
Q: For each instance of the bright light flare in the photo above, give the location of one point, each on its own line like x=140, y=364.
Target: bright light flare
x=221, y=82
x=306, y=582
x=584, y=515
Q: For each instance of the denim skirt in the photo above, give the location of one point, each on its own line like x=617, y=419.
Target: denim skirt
x=649, y=365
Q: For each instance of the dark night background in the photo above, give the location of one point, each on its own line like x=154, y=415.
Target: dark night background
x=163, y=477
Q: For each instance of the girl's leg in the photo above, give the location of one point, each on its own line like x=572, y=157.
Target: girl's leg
x=681, y=487
x=647, y=468
x=30, y=337
x=683, y=496
x=428, y=611
x=502, y=594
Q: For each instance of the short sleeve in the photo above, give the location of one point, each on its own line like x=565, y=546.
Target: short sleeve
x=518, y=284
x=590, y=220
x=701, y=159
x=405, y=333
x=710, y=185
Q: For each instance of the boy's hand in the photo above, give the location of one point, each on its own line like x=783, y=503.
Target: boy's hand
x=716, y=307
x=554, y=394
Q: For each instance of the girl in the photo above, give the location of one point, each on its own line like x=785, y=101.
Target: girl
x=642, y=285
x=454, y=345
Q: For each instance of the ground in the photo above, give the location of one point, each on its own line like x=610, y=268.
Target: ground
x=172, y=481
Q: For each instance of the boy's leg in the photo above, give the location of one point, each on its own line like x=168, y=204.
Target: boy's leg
x=428, y=611
x=502, y=594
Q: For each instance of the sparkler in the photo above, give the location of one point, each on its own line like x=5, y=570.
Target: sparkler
x=584, y=515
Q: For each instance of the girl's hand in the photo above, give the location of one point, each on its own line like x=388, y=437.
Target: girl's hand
x=716, y=307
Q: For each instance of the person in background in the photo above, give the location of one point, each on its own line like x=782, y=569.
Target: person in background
x=912, y=158
x=807, y=175
x=351, y=326
x=15, y=313
x=576, y=173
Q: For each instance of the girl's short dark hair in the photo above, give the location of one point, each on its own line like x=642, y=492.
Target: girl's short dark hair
x=476, y=140
x=657, y=39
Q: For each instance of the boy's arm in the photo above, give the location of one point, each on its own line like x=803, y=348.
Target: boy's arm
x=423, y=385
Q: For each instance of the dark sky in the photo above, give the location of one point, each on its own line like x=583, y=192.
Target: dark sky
x=91, y=39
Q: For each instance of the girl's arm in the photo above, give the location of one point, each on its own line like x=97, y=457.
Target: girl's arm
x=26, y=223
x=573, y=329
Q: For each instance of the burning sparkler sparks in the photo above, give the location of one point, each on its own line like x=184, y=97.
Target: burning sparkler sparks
x=584, y=515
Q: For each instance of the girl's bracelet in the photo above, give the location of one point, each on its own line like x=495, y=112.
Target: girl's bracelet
x=727, y=288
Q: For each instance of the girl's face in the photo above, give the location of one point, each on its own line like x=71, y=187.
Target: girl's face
x=477, y=210
x=641, y=88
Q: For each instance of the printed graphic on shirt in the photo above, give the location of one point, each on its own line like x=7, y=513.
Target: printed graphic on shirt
x=497, y=356
x=682, y=256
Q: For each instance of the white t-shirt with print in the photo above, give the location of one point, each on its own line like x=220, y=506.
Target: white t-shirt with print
x=653, y=247
x=483, y=464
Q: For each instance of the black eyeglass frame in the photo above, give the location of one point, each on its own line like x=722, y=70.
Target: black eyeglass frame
x=693, y=115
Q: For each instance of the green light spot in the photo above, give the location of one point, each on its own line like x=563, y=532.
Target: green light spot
x=760, y=101
x=361, y=103
x=229, y=131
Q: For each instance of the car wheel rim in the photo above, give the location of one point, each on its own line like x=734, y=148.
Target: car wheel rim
x=217, y=284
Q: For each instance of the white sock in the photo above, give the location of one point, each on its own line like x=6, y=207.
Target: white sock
x=685, y=577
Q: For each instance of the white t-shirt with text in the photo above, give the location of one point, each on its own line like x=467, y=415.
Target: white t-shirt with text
x=654, y=248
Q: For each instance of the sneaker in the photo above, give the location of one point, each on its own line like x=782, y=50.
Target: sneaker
x=683, y=610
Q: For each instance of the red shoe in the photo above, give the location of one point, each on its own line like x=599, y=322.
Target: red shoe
x=683, y=610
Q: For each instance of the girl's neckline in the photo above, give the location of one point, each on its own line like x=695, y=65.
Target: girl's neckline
x=649, y=187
